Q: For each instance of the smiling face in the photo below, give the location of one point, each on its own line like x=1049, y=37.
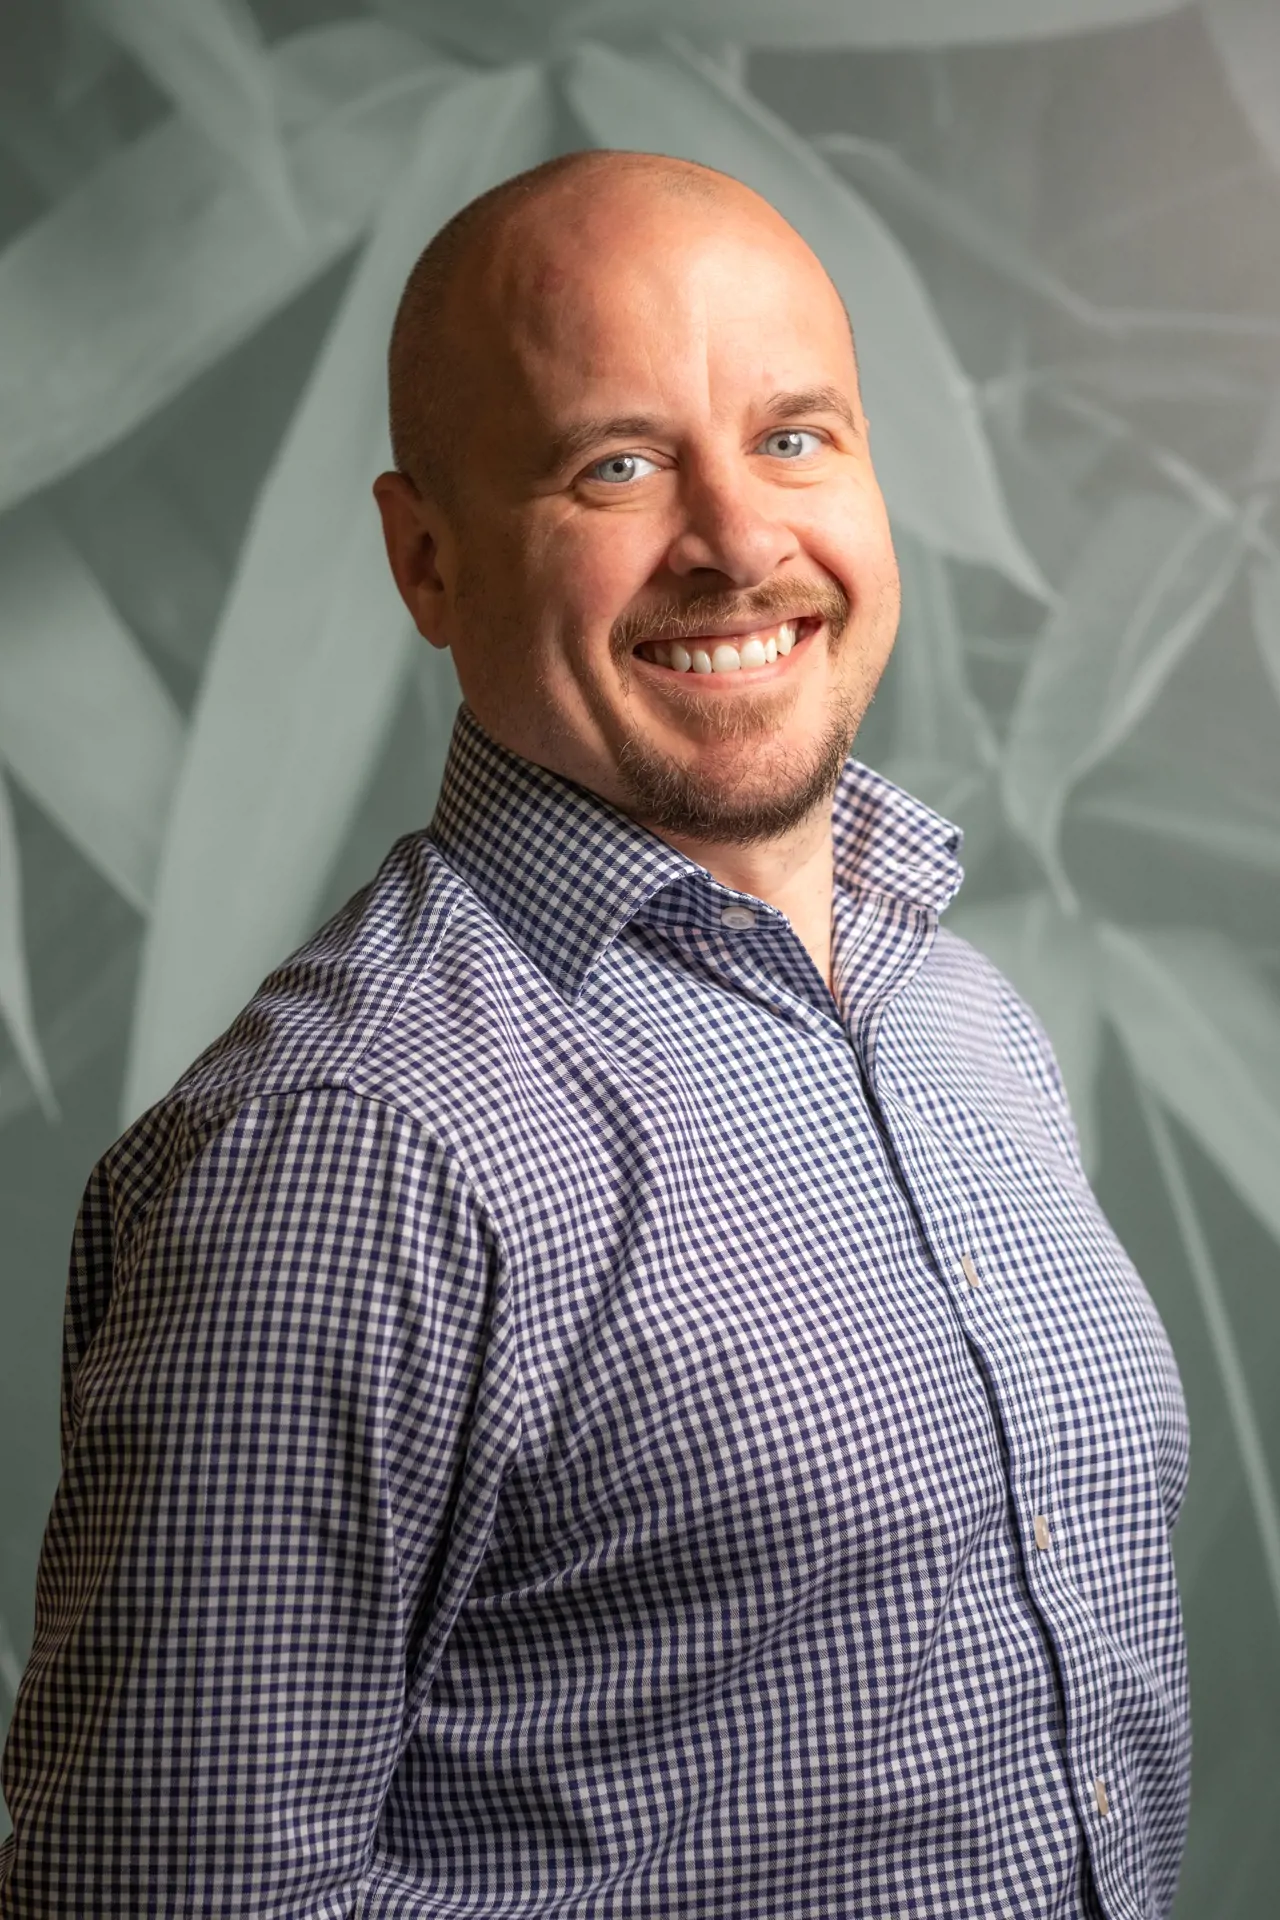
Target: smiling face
x=665, y=569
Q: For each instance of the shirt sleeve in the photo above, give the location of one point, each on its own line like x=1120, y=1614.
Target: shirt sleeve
x=290, y=1395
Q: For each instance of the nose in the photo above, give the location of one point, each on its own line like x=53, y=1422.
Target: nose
x=728, y=530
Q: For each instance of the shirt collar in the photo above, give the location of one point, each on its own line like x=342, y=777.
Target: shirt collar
x=563, y=871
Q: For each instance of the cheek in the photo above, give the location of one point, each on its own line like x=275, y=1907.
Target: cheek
x=591, y=569
x=855, y=545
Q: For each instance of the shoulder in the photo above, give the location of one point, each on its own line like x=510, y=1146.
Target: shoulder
x=392, y=1019
x=994, y=1003
x=376, y=1004
x=986, y=1032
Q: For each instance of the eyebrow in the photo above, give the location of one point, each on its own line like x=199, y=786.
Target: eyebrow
x=585, y=434
x=786, y=406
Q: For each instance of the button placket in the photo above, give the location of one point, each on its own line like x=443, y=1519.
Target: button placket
x=991, y=1301
x=976, y=1283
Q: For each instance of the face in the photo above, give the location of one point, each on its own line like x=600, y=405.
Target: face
x=667, y=573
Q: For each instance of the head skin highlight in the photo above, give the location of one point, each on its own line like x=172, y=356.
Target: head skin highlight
x=425, y=378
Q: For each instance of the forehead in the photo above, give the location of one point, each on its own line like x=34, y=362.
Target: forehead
x=637, y=297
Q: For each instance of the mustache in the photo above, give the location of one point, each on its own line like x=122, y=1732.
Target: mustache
x=713, y=612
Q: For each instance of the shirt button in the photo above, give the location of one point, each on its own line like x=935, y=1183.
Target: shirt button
x=969, y=1271
x=739, y=918
x=1040, y=1527
x=1100, y=1795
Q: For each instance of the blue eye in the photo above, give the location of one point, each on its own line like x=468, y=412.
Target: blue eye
x=785, y=443
x=619, y=468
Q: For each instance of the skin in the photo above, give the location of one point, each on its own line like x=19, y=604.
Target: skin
x=717, y=507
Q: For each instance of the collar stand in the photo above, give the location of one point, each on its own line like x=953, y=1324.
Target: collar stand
x=563, y=871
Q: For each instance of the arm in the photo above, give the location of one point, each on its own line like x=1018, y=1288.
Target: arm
x=272, y=1493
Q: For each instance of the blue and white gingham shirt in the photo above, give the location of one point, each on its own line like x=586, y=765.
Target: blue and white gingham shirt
x=565, y=1417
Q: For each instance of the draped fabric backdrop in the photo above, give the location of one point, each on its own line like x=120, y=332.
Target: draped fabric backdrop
x=1057, y=226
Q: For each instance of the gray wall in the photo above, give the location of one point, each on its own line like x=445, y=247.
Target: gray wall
x=1061, y=254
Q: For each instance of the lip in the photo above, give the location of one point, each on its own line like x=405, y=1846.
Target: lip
x=736, y=629
x=808, y=626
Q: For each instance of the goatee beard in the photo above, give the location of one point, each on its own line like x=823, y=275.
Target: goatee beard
x=671, y=797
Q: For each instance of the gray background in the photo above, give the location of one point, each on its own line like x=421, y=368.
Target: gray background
x=1057, y=225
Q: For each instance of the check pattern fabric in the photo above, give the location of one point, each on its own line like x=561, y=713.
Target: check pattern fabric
x=565, y=1414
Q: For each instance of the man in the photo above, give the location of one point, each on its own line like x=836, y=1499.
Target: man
x=607, y=1392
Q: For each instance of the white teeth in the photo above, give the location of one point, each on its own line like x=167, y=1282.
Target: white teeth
x=725, y=656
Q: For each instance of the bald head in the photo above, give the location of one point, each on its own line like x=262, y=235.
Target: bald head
x=514, y=238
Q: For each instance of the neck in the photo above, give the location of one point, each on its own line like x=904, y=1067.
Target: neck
x=795, y=874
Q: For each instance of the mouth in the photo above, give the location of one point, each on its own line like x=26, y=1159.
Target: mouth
x=740, y=657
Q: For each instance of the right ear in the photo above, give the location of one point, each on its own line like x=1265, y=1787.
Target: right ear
x=412, y=528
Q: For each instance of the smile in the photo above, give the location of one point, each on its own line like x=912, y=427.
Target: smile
x=723, y=654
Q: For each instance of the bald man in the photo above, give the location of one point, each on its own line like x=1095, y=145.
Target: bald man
x=607, y=1392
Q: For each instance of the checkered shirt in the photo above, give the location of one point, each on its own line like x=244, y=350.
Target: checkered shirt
x=565, y=1415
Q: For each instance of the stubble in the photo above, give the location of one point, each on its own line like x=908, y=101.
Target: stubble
x=775, y=789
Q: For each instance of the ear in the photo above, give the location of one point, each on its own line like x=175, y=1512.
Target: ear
x=413, y=529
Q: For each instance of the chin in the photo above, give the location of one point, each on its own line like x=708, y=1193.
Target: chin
x=772, y=786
